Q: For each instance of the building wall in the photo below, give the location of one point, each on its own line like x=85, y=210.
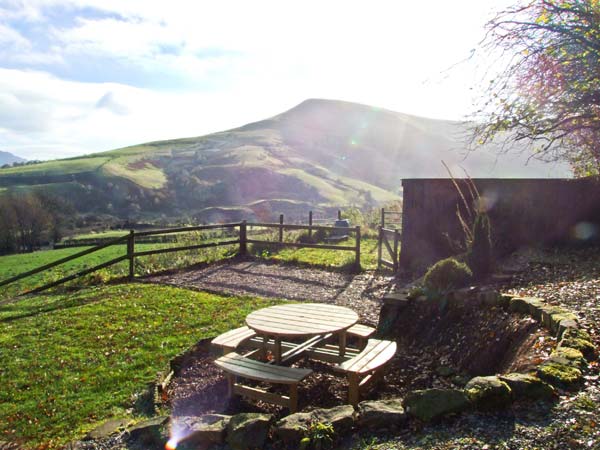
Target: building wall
x=523, y=212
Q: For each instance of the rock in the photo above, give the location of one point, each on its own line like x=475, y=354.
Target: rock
x=505, y=300
x=547, y=312
x=341, y=417
x=393, y=303
x=557, y=318
x=196, y=431
x=565, y=325
x=488, y=392
x=559, y=374
x=9, y=446
x=572, y=356
x=248, y=430
x=293, y=427
x=107, y=429
x=150, y=433
x=489, y=298
x=579, y=340
x=430, y=404
x=376, y=414
x=529, y=386
x=519, y=304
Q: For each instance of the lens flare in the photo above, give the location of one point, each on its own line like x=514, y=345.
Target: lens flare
x=171, y=444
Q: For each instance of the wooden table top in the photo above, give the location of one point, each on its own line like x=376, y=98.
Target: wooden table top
x=302, y=319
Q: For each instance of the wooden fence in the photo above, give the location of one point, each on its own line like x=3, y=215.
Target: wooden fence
x=241, y=239
x=387, y=249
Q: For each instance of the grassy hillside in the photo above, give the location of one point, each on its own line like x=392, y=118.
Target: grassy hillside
x=321, y=154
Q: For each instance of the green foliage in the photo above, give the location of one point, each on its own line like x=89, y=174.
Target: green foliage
x=319, y=436
x=446, y=275
x=68, y=362
x=480, y=254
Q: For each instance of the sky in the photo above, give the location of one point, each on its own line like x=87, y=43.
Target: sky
x=81, y=76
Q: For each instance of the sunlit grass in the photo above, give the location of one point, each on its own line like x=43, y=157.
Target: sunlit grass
x=71, y=361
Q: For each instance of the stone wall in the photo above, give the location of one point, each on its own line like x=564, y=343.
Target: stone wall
x=523, y=212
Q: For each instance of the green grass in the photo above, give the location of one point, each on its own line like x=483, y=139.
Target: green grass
x=97, y=235
x=12, y=265
x=329, y=258
x=70, y=361
x=58, y=167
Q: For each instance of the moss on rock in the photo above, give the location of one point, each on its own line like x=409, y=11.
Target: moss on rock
x=579, y=340
x=430, y=404
x=572, y=355
x=488, y=392
x=559, y=374
x=528, y=386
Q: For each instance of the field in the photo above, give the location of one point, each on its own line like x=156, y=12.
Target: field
x=12, y=265
x=71, y=361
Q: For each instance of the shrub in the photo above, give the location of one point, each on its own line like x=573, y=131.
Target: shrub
x=479, y=258
x=446, y=275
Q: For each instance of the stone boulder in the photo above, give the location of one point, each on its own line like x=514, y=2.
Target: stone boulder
x=248, y=430
x=377, y=414
x=293, y=428
x=106, y=430
x=579, y=340
x=560, y=373
x=528, y=386
x=150, y=433
x=488, y=392
x=430, y=404
x=197, y=431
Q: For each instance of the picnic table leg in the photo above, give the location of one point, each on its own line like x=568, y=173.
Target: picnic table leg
x=353, y=389
x=277, y=350
x=293, y=398
x=230, y=383
x=263, y=347
x=343, y=342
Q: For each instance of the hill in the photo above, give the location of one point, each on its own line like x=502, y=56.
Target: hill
x=320, y=154
x=9, y=158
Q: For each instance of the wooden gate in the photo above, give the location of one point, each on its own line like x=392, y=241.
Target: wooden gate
x=388, y=240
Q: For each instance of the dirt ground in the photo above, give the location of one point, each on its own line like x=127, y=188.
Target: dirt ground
x=361, y=292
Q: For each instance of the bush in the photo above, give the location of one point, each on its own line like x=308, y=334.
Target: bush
x=479, y=258
x=446, y=275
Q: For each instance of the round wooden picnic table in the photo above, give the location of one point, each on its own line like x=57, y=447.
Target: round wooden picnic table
x=302, y=320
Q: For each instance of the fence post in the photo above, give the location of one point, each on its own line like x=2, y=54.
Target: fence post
x=130, y=253
x=357, y=257
x=243, y=239
x=379, y=245
x=339, y=214
x=382, y=217
x=280, y=227
x=396, y=240
x=310, y=225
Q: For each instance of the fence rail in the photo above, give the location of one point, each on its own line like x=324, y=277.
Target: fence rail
x=242, y=240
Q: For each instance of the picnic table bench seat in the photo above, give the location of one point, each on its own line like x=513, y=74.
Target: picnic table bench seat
x=368, y=364
x=362, y=332
x=236, y=365
x=229, y=341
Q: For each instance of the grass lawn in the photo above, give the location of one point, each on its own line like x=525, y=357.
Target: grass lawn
x=12, y=265
x=70, y=361
x=331, y=258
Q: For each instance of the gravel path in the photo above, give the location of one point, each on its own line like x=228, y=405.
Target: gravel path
x=362, y=292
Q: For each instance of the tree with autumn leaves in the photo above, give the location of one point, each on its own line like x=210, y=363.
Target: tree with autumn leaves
x=548, y=95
